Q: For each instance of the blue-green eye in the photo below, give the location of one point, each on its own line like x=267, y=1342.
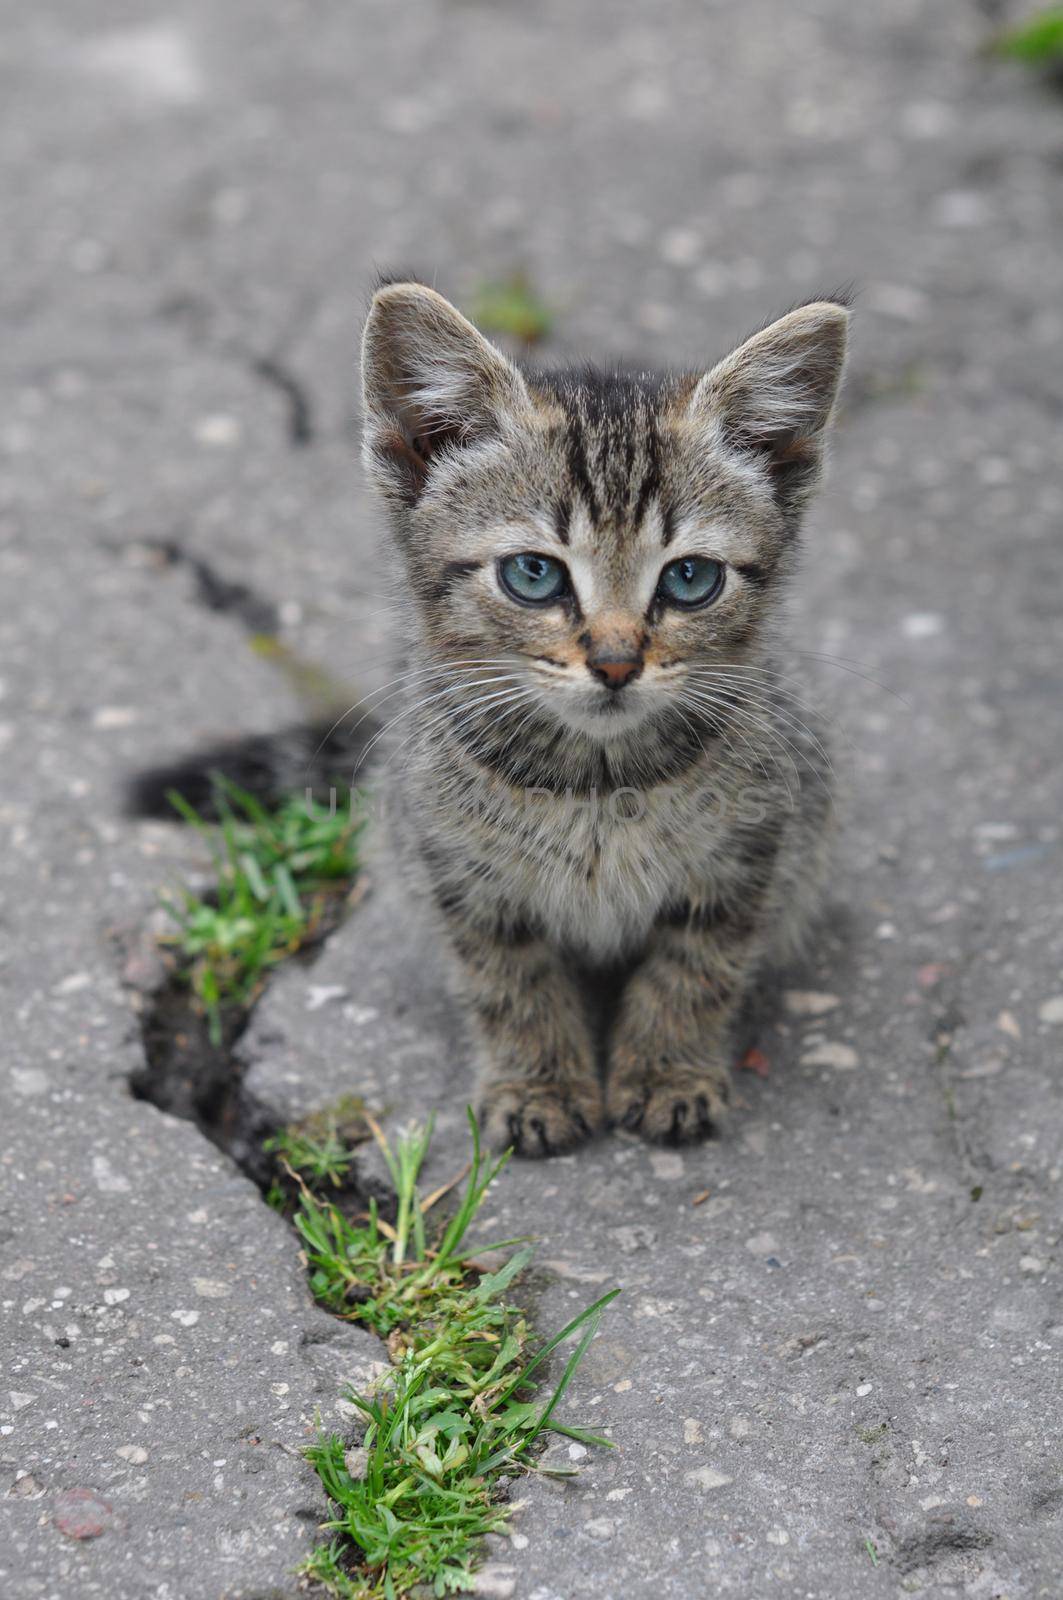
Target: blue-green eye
x=537, y=580
x=691, y=581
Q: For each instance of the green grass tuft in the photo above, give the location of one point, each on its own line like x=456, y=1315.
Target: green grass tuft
x=279, y=875
x=1037, y=42
x=320, y=1149
x=458, y=1412
x=512, y=308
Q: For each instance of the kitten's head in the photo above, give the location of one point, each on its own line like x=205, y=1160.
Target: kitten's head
x=599, y=540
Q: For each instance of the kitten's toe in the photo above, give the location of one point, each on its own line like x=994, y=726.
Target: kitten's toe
x=681, y=1105
x=539, y=1119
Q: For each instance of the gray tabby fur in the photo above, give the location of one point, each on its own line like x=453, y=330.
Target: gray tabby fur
x=659, y=844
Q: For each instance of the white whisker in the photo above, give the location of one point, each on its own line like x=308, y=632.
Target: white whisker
x=396, y=686
x=759, y=696
x=845, y=666
x=419, y=705
x=719, y=725
x=766, y=729
x=459, y=718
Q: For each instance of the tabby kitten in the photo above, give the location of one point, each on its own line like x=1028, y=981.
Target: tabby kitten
x=598, y=776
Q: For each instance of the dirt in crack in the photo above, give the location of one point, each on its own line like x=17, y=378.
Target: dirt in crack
x=284, y=881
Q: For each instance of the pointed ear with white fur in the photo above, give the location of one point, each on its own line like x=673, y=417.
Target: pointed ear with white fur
x=772, y=398
x=431, y=384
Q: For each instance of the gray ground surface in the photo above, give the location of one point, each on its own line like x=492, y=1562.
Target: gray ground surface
x=840, y=1344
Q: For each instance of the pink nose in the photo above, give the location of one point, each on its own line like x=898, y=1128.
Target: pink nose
x=615, y=672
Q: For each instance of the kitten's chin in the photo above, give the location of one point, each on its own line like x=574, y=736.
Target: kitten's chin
x=605, y=719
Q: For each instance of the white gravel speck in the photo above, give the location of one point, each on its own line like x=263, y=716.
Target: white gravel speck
x=922, y=624
x=218, y=431
x=107, y=717
x=680, y=247
x=831, y=1054
x=29, y=1080
x=211, y=1288
x=320, y=994
x=666, y=1165
x=809, y=1002
x=74, y=983
x=155, y=64
x=187, y=1319
x=706, y=1478
x=106, y=1179
x=495, y=1582
x=1052, y=1010
x=360, y=1015
x=762, y=1244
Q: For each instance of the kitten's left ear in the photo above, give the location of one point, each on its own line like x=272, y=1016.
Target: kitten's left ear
x=773, y=396
x=430, y=382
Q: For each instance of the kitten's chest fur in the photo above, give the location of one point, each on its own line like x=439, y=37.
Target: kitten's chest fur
x=606, y=876
x=592, y=872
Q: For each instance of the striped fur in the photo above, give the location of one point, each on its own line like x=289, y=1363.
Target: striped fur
x=658, y=843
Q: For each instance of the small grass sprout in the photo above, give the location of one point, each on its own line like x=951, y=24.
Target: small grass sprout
x=320, y=1149
x=512, y=308
x=279, y=877
x=1036, y=42
x=459, y=1410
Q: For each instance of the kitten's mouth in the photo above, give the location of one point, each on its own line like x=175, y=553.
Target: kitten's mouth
x=591, y=709
x=606, y=715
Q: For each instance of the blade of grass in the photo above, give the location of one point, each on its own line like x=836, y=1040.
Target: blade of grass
x=552, y=1344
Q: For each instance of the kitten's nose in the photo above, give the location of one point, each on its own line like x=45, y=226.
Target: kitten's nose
x=615, y=671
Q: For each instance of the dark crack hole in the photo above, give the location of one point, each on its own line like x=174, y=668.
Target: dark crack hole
x=188, y=1074
x=218, y=593
x=294, y=394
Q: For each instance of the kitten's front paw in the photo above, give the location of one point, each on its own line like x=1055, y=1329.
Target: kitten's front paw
x=677, y=1104
x=539, y=1119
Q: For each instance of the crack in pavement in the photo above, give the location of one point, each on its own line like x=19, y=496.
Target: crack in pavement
x=217, y=593
x=197, y=316
x=300, y=411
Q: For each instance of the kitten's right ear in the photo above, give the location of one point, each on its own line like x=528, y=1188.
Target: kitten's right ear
x=430, y=383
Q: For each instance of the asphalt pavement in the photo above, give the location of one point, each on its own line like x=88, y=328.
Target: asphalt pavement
x=835, y=1367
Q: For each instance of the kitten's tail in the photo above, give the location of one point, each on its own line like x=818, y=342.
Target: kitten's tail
x=319, y=756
